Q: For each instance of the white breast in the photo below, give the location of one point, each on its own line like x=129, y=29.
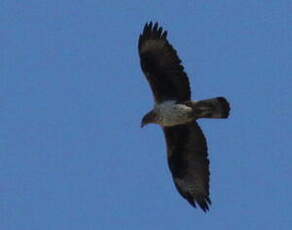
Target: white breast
x=171, y=114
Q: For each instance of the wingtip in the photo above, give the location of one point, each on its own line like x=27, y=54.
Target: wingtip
x=155, y=27
x=203, y=203
x=153, y=30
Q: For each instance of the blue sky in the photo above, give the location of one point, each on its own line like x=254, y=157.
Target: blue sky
x=72, y=154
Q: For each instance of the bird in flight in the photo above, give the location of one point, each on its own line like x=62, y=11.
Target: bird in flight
x=177, y=115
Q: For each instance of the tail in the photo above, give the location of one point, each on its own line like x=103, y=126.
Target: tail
x=212, y=108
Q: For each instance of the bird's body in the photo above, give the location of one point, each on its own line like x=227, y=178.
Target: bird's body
x=171, y=113
x=177, y=114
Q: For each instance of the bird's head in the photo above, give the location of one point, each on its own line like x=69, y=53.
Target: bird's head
x=149, y=118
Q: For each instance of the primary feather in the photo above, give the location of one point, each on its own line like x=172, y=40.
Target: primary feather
x=177, y=114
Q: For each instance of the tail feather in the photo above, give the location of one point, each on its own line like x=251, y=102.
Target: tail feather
x=212, y=108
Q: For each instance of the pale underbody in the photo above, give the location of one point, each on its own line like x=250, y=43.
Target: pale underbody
x=171, y=114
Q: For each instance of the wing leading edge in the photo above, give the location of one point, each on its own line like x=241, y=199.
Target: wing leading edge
x=162, y=66
x=188, y=162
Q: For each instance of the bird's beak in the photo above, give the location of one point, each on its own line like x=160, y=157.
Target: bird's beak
x=144, y=123
x=147, y=119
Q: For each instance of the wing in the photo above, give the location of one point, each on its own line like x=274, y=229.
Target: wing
x=161, y=66
x=188, y=162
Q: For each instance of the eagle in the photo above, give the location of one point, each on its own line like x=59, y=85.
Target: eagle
x=177, y=115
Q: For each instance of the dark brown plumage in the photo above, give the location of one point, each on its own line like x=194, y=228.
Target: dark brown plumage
x=177, y=114
x=188, y=161
x=161, y=65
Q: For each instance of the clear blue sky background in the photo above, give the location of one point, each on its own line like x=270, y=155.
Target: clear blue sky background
x=72, y=154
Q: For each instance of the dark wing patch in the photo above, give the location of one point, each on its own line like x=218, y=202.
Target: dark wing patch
x=162, y=66
x=188, y=162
